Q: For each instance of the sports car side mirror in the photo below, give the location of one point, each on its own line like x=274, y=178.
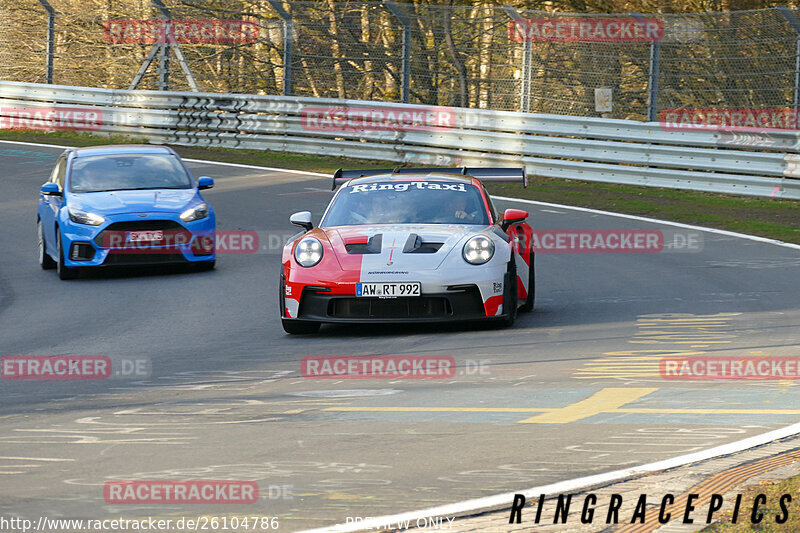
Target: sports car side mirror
x=302, y=219
x=513, y=216
x=51, y=189
x=204, y=182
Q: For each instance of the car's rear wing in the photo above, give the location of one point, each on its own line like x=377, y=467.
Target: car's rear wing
x=515, y=175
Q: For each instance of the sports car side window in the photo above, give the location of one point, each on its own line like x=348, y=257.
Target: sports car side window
x=59, y=172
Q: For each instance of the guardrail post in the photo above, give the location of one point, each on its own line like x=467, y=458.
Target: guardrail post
x=525, y=74
x=288, y=42
x=51, y=31
x=795, y=24
x=405, y=67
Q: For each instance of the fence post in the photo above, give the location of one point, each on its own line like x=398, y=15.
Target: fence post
x=795, y=24
x=652, y=77
x=652, y=106
x=288, y=41
x=525, y=74
x=51, y=31
x=405, y=66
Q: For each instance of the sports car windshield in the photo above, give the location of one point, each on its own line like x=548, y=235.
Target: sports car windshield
x=128, y=172
x=413, y=202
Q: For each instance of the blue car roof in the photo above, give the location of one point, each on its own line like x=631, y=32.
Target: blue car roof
x=118, y=149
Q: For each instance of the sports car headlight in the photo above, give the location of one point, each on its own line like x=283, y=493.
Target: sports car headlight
x=478, y=250
x=195, y=213
x=308, y=252
x=82, y=217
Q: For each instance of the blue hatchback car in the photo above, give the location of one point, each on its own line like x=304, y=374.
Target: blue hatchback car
x=123, y=205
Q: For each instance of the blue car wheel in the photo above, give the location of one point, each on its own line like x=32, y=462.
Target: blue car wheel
x=45, y=261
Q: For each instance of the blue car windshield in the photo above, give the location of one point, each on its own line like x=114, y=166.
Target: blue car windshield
x=412, y=202
x=127, y=172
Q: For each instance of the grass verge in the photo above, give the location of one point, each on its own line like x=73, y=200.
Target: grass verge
x=771, y=509
x=766, y=217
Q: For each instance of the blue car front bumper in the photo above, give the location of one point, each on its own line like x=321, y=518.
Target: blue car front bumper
x=109, y=244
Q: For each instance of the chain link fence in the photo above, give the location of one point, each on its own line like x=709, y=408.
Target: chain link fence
x=427, y=54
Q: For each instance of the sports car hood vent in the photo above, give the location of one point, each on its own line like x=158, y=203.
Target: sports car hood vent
x=400, y=246
x=415, y=245
x=371, y=246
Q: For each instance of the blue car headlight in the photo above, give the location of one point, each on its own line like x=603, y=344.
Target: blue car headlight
x=197, y=212
x=82, y=217
x=478, y=250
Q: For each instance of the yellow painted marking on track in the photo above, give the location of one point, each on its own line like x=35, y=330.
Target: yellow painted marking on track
x=675, y=332
x=558, y=413
x=445, y=409
x=599, y=402
x=34, y=458
x=710, y=411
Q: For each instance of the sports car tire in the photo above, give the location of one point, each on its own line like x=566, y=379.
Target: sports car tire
x=528, y=305
x=45, y=261
x=295, y=327
x=203, y=266
x=64, y=272
x=510, y=298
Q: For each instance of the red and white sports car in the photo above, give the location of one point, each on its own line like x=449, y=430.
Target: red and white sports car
x=409, y=245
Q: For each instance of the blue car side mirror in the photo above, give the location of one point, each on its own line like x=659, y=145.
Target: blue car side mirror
x=204, y=182
x=51, y=189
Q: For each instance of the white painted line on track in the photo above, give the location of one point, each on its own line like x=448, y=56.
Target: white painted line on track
x=654, y=221
x=503, y=501
x=203, y=161
x=504, y=198
x=38, y=144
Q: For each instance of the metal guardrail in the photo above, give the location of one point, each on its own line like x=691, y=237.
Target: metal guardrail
x=591, y=149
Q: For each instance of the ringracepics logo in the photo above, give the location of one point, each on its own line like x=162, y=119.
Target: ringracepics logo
x=197, y=31
x=564, y=29
x=729, y=368
x=180, y=492
x=405, y=118
x=73, y=367
x=649, y=510
x=50, y=118
x=739, y=119
x=378, y=367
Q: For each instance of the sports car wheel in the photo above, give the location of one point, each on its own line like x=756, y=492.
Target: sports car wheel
x=510, y=298
x=64, y=272
x=45, y=261
x=528, y=305
x=294, y=327
x=203, y=266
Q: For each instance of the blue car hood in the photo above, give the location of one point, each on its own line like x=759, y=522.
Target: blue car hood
x=119, y=202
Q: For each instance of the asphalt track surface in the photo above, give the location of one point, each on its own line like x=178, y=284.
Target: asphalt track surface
x=572, y=389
